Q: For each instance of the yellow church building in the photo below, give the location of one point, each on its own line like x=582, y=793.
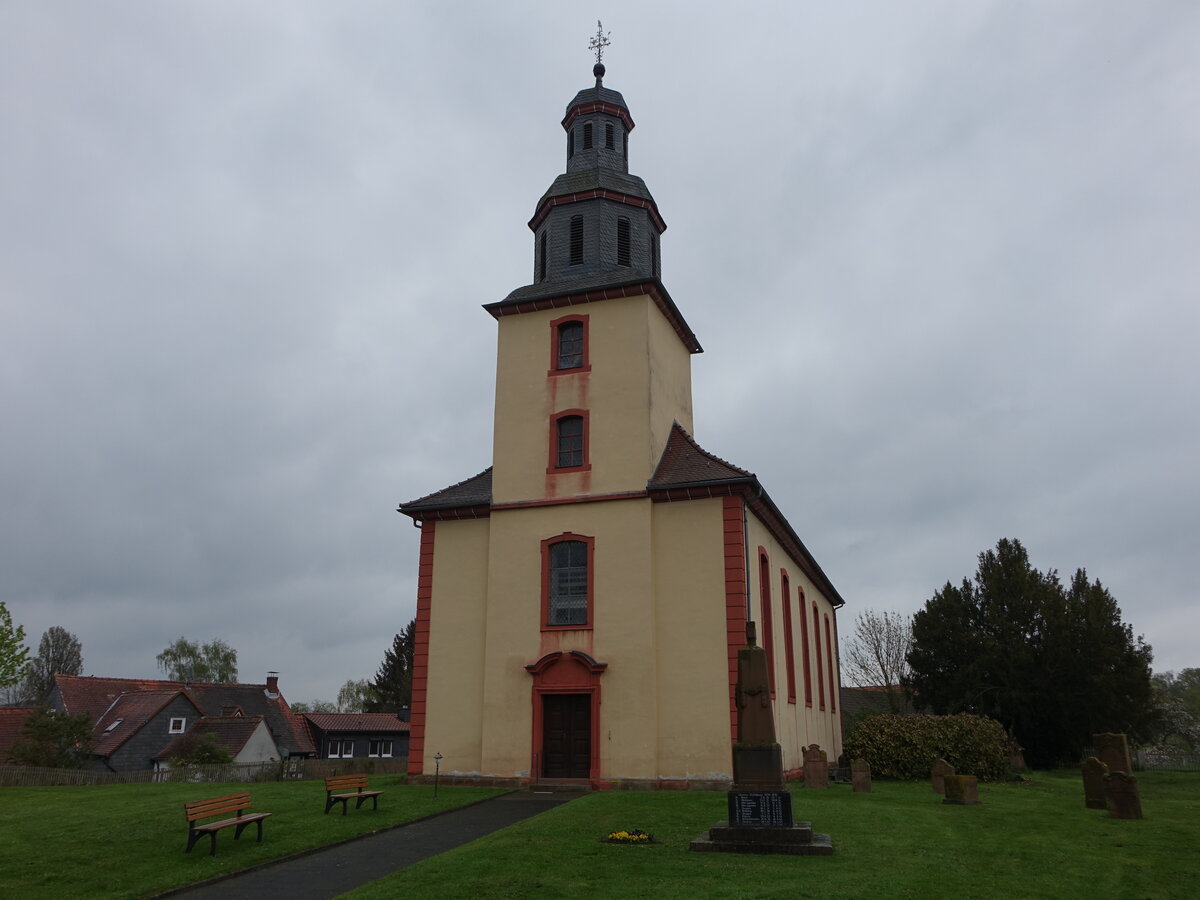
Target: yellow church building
x=580, y=603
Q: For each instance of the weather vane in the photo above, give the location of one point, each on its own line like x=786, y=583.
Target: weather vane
x=599, y=42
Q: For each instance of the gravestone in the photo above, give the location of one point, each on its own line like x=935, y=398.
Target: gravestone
x=816, y=767
x=962, y=790
x=860, y=776
x=1094, y=773
x=1122, y=796
x=759, y=803
x=1113, y=751
x=938, y=774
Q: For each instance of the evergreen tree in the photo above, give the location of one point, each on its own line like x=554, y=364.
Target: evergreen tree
x=1053, y=664
x=54, y=740
x=393, y=681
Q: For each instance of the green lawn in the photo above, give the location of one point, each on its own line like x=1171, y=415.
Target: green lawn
x=128, y=841
x=1024, y=841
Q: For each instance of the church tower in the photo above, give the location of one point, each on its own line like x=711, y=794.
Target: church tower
x=581, y=602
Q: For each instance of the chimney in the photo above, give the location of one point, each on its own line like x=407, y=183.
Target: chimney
x=272, y=684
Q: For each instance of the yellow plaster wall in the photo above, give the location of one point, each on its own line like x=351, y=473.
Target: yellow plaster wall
x=622, y=632
x=797, y=726
x=638, y=383
x=692, y=676
x=457, y=623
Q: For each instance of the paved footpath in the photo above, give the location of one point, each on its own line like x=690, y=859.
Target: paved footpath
x=336, y=870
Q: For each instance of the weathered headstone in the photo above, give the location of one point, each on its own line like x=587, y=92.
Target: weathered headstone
x=938, y=774
x=1113, y=751
x=816, y=767
x=962, y=790
x=760, y=805
x=1122, y=796
x=1094, y=773
x=860, y=776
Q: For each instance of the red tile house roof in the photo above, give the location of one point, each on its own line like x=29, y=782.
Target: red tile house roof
x=381, y=723
x=230, y=732
x=12, y=721
x=93, y=695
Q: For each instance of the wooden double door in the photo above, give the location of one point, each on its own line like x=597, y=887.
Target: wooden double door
x=566, y=735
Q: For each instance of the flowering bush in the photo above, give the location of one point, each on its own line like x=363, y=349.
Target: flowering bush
x=635, y=836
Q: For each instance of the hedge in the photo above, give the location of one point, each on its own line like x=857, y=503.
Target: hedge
x=905, y=747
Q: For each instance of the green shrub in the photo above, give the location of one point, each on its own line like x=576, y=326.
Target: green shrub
x=905, y=747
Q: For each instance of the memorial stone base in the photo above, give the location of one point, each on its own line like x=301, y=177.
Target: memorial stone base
x=761, y=822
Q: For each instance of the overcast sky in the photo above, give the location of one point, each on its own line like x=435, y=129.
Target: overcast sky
x=942, y=257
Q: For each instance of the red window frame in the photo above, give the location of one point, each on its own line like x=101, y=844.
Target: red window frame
x=556, y=340
x=789, y=646
x=768, y=634
x=552, y=466
x=805, y=654
x=591, y=577
x=816, y=619
x=829, y=663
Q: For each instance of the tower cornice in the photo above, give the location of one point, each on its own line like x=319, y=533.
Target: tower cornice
x=598, y=106
x=548, y=203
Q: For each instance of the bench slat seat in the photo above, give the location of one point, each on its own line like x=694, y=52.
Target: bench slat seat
x=221, y=806
x=345, y=783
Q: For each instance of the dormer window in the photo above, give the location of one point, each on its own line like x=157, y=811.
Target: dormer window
x=587, y=135
x=623, y=241
x=177, y=726
x=608, y=136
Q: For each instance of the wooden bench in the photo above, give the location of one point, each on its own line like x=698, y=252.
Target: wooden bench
x=237, y=804
x=354, y=788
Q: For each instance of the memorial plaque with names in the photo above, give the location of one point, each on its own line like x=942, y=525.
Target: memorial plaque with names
x=769, y=808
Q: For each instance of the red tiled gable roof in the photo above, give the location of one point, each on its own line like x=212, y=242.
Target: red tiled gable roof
x=230, y=732
x=12, y=722
x=374, y=722
x=128, y=714
x=94, y=695
x=684, y=462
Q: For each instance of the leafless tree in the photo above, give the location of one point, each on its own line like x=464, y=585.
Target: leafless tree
x=875, y=655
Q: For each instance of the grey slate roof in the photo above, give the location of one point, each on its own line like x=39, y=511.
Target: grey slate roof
x=582, y=180
x=474, y=491
x=598, y=94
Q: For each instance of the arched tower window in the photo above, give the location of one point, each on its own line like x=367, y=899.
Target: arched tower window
x=571, y=142
x=608, y=135
x=623, y=241
x=542, y=257
x=653, y=253
x=568, y=442
x=570, y=345
x=587, y=135
x=576, y=240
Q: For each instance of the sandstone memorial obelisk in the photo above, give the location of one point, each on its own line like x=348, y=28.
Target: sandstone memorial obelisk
x=760, y=805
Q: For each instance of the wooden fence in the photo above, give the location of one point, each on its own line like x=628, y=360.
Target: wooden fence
x=293, y=769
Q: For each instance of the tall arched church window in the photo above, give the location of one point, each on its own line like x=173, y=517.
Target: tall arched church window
x=829, y=663
x=804, y=651
x=816, y=627
x=789, y=646
x=576, y=240
x=567, y=580
x=623, y=241
x=768, y=636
